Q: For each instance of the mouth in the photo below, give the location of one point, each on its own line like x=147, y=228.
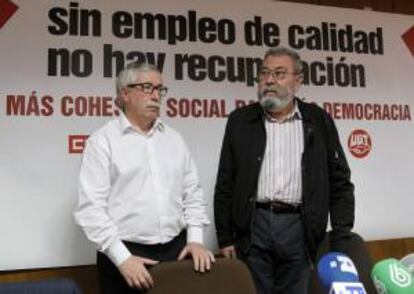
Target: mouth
x=273, y=90
x=270, y=92
x=154, y=108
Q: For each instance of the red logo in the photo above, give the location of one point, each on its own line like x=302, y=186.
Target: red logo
x=408, y=38
x=76, y=143
x=7, y=9
x=359, y=143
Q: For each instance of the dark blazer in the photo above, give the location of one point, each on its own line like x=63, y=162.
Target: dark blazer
x=325, y=177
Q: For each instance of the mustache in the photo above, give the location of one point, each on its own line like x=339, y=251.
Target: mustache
x=154, y=104
x=273, y=89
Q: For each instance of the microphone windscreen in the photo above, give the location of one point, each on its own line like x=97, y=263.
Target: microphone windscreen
x=336, y=267
x=392, y=277
x=408, y=261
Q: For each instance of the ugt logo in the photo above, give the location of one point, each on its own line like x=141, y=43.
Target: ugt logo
x=359, y=143
x=7, y=9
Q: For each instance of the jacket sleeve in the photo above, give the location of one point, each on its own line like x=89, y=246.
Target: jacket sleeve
x=224, y=188
x=342, y=200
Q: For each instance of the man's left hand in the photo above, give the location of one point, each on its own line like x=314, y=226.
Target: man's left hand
x=202, y=257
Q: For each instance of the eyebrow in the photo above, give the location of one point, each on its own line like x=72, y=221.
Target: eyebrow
x=277, y=68
x=148, y=83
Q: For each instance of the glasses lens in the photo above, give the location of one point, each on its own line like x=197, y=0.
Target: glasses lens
x=280, y=74
x=264, y=73
x=147, y=88
x=163, y=91
x=277, y=74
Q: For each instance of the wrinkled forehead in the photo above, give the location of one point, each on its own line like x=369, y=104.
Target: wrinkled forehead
x=273, y=62
x=148, y=76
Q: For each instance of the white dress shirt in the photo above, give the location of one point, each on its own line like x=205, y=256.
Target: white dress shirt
x=138, y=187
x=280, y=176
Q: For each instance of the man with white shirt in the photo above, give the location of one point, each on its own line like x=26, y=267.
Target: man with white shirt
x=140, y=200
x=282, y=171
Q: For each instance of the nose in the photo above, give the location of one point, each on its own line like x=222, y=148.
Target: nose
x=270, y=79
x=156, y=95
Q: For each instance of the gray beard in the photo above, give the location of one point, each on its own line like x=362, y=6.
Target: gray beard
x=272, y=103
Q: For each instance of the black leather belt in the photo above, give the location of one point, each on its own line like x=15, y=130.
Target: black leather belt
x=278, y=207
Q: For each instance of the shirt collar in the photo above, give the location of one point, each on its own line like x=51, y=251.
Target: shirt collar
x=126, y=126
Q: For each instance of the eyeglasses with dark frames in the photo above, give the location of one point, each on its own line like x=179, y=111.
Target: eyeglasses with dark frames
x=149, y=88
x=277, y=74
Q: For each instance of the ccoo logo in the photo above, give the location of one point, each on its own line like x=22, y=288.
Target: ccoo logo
x=359, y=143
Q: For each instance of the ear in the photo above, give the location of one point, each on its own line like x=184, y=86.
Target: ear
x=298, y=81
x=123, y=96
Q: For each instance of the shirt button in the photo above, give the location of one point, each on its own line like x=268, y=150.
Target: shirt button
x=259, y=158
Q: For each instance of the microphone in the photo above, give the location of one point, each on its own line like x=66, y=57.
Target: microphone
x=390, y=276
x=408, y=261
x=338, y=273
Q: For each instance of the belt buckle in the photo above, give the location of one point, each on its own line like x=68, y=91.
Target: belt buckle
x=274, y=206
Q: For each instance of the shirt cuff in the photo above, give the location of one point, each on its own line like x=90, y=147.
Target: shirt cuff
x=118, y=253
x=195, y=234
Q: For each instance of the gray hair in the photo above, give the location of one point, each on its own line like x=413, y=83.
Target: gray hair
x=283, y=51
x=129, y=74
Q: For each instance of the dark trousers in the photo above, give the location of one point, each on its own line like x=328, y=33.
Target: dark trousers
x=109, y=276
x=278, y=258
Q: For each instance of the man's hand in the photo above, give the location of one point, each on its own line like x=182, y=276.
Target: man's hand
x=229, y=251
x=135, y=273
x=202, y=258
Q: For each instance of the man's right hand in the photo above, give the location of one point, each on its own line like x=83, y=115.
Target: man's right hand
x=135, y=273
x=229, y=251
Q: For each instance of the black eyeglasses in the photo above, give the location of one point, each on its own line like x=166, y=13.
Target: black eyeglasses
x=149, y=88
x=278, y=74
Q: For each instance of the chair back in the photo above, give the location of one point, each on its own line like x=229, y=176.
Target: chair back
x=226, y=276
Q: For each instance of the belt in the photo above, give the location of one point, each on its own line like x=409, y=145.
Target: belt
x=278, y=207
